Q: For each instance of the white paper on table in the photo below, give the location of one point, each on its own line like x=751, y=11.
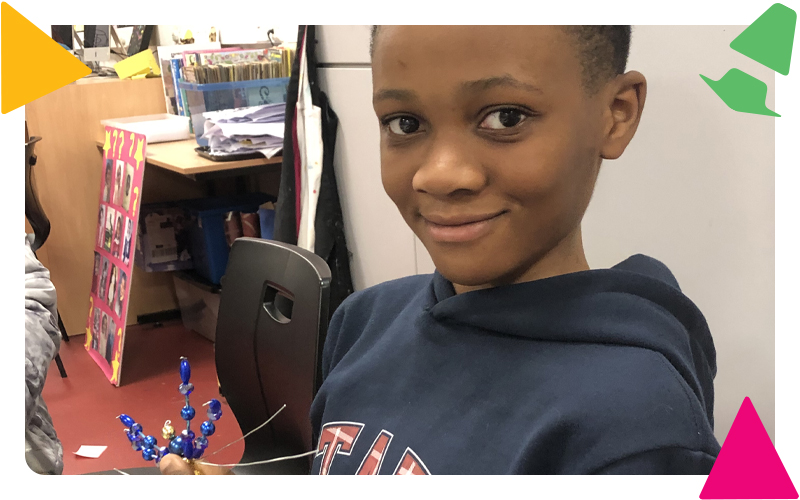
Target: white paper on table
x=217, y=144
x=267, y=152
x=90, y=451
x=253, y=113
x=251, y=128
x=258, y=114
x=270, y=140
x=266, y=141
x=263, y=132
x=270, y=113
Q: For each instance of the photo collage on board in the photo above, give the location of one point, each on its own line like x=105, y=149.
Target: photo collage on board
x=112, y=257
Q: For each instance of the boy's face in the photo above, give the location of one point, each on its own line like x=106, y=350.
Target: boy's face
x=490, y=146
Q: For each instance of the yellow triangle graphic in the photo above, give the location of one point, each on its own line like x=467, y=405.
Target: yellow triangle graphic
x=25, y=78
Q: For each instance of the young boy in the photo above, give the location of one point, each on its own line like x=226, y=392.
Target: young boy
x=514, y=357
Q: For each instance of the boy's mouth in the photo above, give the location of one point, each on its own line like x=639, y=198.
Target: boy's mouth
x=459, y=228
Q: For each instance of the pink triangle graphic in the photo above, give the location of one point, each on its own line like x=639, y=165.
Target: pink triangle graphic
x=748, y=467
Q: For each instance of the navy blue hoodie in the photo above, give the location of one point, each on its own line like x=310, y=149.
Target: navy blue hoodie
x=606, y=371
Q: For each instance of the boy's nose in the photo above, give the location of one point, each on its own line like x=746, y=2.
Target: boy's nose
x=449, y=169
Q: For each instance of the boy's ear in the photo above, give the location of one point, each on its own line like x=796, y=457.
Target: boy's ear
x=626, y=102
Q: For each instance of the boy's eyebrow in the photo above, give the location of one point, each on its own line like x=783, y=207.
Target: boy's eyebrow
x=470, y=86
x=394, y=94
x=498, y=81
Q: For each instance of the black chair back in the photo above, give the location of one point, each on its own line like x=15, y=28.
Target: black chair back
x=273, y=316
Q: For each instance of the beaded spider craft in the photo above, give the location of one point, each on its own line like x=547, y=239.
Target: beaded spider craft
x=185, y=444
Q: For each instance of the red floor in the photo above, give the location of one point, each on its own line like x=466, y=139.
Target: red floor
x=84, y=406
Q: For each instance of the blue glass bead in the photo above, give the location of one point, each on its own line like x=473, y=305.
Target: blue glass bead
x=207, y=428
x=126, y=420
x=214, y=405
x=187, y=435
x=136, y=429
x=186, y=370
x=136, y=445
x=214, y=415
x=188, y=449
x=187, y=413
x=150, y=442
x=197, y=448
x=176, y=445
x=201, y=443
x=131, y=437
x=186, y=389
x=149, y=454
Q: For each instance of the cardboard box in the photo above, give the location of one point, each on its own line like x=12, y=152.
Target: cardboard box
x=199, y=304
x=162, y=242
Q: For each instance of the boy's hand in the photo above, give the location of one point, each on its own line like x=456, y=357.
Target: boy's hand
x=173, y=465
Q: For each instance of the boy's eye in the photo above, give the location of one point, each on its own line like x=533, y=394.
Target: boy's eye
x=502, y=119
x=403, y=125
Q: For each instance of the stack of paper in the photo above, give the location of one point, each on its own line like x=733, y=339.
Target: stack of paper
x=246, y=130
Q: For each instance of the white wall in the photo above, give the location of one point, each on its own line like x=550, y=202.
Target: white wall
x=695, y=189
x=382, y=245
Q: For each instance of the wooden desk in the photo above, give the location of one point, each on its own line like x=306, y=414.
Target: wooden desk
x=67, y=177
x=180, y=157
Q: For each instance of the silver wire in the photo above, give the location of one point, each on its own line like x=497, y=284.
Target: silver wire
x=249, y=433
x=261, y=462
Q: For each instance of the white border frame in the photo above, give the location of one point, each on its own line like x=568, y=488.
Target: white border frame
x=787, y=243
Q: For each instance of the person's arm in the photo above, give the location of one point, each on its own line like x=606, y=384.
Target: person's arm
x=43, y=450
x=42, y=336
x=39, y=352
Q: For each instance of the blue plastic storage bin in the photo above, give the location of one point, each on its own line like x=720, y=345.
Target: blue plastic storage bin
x=207, y=231
x=230, y=95
x=266, y=218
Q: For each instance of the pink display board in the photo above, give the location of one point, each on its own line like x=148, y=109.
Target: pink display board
x=115, y=243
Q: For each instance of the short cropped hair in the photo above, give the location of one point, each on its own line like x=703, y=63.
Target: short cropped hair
x=603, y=51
